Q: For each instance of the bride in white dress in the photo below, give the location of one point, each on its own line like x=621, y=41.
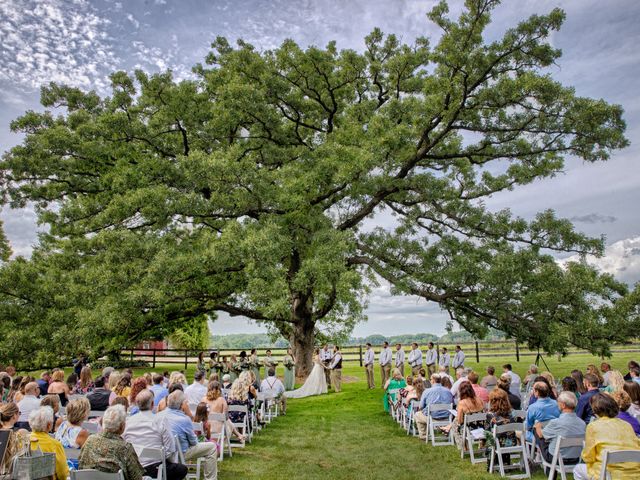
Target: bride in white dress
x=316, y=383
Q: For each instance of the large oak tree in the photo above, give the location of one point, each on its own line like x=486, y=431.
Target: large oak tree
x=254, y=188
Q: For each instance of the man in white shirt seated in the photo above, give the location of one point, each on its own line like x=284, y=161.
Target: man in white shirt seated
x=461, y=376
x=274, y=387
x=28, y=404
x=196, y=392
x=145, y=429
x=442, y=372
x=515, y=380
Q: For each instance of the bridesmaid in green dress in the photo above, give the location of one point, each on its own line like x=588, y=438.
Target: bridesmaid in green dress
x=289, y=370
x=233, y=365
x=396, y=382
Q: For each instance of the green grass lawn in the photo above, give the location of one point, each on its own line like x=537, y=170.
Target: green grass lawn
x=348, y=435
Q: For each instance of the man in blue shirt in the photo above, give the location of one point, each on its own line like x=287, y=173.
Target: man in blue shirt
x=543, y=410
x=567, y=425
x=43, y=383
x=158, y=389
x=436, y=394
x=182, y=428
x=583, y=410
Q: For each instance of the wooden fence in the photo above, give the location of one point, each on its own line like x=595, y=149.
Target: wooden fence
x=355, y=353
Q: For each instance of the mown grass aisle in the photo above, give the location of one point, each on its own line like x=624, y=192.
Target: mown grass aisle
x=343, y=436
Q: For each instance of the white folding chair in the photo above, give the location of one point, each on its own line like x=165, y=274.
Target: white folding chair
x=243, y=426
x=95, y=475
x=193, y=407
x=191, y=466
x=72, y=453
x=531, y=445
x=469, y=441
x=392, y=396
x=557, y=463
x=521, y=414
x=618, y=456
x=96, y=413
x=91, y=427
x=410, y=426
x=223, y=440
x=518, y=450
x=76, y=396
x=434, y=423
x=158, y=455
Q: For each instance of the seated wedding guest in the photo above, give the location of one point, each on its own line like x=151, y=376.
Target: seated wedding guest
x=593, y=370
x=634, y=375
x=72, y=381
x=533, y=399
x=623, y=400
x=444, y=372
x=238, y=395
x=158, y=388
x=631, y=365
x=41, y=421
x=446, y=382
x=123, y=401
x=6, y=385
x=9, y=414
x=436, y=394
x=85, y=384
x=178, y=377
x=99, y=398
x=569, y=385
x=396, y=382
x=489, y=381
x=15, y=388
x=28, y=404
x=583, y=410
x=551, y=382
x=504, y=383
x=605, y=368
x=415, y=393
x=202, y=417
x=59, y=387
x=181, y=427
x=70, y=432
x=461, y=376
x=214, y=377
x=468, y=403
x=481, y=392
x=272, y=385
x=149, y=378
x=566, y=425
x=185, y=408
x=615, y=381
x=43, y=383
x=247, y=379
x=606, y=433
x=23, y=385
x=216, y=403
x=226, y=381
x=532, y=374
x=123, y=387
x=500, y=414
x=107, y=451
x=579, y=378
x=407, y=389
x=633, y=390
x=543, y=410
x=139, y=385
x=422, y=377
x=146, y=429
x=195, y=392
x=53, y=401
x=514, y=386
x=106, y=374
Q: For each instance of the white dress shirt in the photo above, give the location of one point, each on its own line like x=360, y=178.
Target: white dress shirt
x=458, y=359
x=369, y=357
x=515, y=383
x=399, y=357
x=145, y=429
x=195, y=392
x=445, y=359
x=385, y=356
x=431, y=356
x=272, y=386
x=325, y=355
x=28, y=404
x=456, y=387
x=415, y=358
x=336, y=358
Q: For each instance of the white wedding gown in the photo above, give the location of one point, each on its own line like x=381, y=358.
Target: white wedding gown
x=315, y=384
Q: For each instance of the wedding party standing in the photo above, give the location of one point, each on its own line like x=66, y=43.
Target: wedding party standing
x=385, y=364
x=415, y=359
x=325, y=357
x=254, y=363
x=445, y=360
x=399, y=360
x=369, y=359
x=431, y=359
x=289, y=370
x=336, y=369
x=458, y=359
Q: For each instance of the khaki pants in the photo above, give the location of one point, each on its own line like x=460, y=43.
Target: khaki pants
x=370, y=381
x=336, y=379
x=385, y=373
x=209, y=452
x=421, y=422
x=431, y=368
x=327, y=373
x=415, y=370
x=400, y=367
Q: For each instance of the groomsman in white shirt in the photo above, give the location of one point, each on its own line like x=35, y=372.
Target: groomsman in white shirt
x=458, y=359
x=335, y=369
x=399, y=361
x=445, y=360
x=385, y=363
x=369, y=358
x=415, y=359
x=325, y=357
x=431, y=359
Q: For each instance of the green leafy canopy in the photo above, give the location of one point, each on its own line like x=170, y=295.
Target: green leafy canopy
x=250, y=189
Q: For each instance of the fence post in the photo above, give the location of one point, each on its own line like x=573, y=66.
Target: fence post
x=477, y=353
x=186, y=360
x=154, y=358
x=360, y=354
x=517, y=352
x=437, y=356
x=131, y=357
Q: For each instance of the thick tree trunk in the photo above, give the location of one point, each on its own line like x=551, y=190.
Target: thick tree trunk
x=302, y=341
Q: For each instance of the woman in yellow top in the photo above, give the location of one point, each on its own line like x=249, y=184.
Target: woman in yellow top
x=123, y=388
x=607, y=433
x=41, y=422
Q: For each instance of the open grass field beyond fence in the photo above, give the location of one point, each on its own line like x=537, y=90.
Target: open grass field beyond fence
x=348, y=436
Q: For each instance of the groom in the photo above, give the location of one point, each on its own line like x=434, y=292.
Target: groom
x=336, y=369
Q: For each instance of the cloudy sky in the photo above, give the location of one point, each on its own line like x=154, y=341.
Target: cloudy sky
x=80, y=41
